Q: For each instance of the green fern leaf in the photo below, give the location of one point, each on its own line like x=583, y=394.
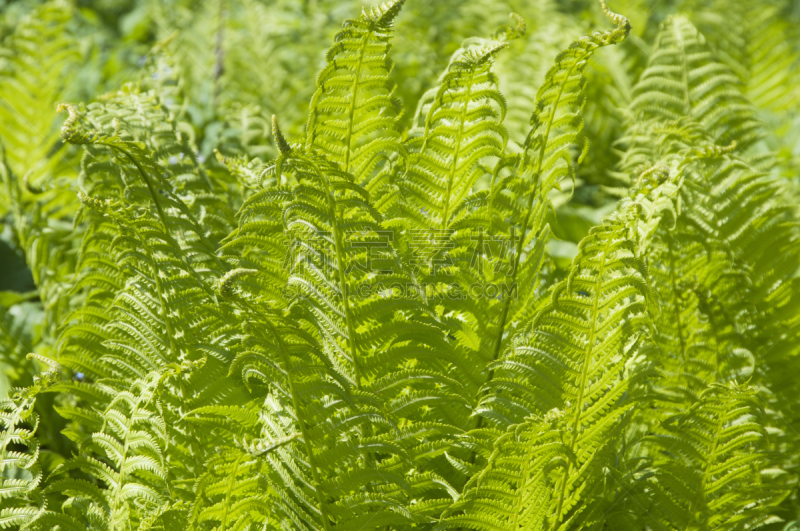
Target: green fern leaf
x=583, y=357
x=708, y=471
x=353, y=114
x=684, y=79
x=461, y=127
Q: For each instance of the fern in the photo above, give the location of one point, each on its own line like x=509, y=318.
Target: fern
x=20, y=485
x=38, y=181
x=126, y=453
x=760, y=55
x=684, y=79
x=461, y=127
x=381, y=320
x=345, y=310
x=545, y=160
x=515, y=490
x=353, y=114
x=580, y=365
x=706, y=452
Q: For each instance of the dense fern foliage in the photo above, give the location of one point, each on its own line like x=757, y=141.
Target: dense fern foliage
x=461, y=271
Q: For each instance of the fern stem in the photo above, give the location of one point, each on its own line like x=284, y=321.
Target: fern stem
x=160, y=208
x=231, y=483
x=156, y=277
x=717, y=342
x=312, y=460
x=146, y=179
x=162, y=215
x=623, y=26
x=368, y=459
x=122, y=458
x=340, y=269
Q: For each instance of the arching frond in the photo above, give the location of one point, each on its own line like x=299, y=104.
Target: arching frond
x=685, y=79
x=522, y=196
x=458, y=129
x=353, y=114
x=582, y=361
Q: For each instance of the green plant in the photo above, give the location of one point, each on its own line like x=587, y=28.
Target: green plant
x=367, y=323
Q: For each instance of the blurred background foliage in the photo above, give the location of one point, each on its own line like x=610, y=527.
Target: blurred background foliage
x=240, y=61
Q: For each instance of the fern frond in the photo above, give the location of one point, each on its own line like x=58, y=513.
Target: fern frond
x=16, y=490
x=353, y=114
x=710, y=464
x=127, y=455
x=21, y=494
x=461, y=128
x=151, y=315
x=38, y=61
x=583, y=357
x=234, y=487
x=515, y=490
x=369, y=341
x=685, y=80
x=39, y=55
x=523, y=195
x=759, y=53
x=369, y=329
